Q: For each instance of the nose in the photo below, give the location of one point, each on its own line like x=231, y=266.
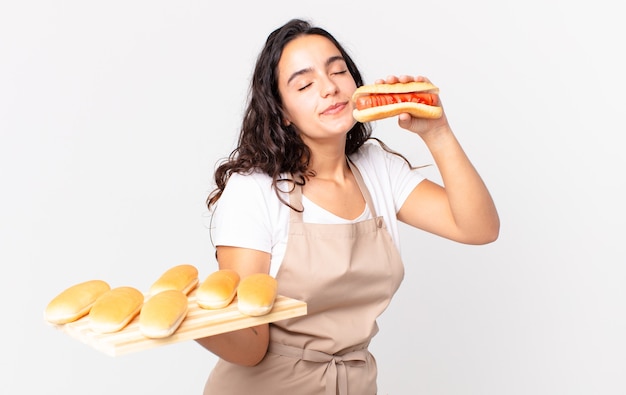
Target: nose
x=329, y=87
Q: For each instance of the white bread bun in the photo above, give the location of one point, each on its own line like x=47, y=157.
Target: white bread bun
x=400, y=87
x=163, y=313
x=418, y=110
x=256, y=294
x=218, y=290
x=183, y=278
x=114, y=309
x=74, y=302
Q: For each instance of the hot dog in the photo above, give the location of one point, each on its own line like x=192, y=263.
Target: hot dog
x=378, y=101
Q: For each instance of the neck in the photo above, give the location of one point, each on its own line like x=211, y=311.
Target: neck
x=330, y=165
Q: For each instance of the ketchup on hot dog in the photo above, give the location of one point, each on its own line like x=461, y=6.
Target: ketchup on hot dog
x=381, y=99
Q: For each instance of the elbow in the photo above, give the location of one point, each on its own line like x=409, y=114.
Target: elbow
x=490, y=237
x=482, y=239
x=485, y=233
x=245, y=347
x=256, y=350
x=253, y=358
x=488, y=234
x=252, y=362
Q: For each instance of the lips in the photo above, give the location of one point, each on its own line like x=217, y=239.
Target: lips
x=334, y=109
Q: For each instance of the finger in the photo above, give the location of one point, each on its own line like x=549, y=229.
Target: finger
x=404, y=117
x=391, y=79
x=404, y=120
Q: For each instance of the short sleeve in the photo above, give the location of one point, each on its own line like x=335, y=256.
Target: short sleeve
x=241, y=217
x=388, y=175
x=403, y=178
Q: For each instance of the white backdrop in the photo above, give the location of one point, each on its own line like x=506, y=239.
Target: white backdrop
x=113, y=115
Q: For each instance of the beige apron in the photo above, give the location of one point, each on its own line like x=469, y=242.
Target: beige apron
x=347, y=274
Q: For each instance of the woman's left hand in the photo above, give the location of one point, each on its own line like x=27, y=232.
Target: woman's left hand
x=406, y=121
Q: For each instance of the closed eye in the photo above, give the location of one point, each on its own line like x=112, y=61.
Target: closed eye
x=304, y=87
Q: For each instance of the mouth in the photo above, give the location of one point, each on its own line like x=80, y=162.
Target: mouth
x=335, y=108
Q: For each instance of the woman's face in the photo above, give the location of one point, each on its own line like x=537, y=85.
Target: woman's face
x=316, y=86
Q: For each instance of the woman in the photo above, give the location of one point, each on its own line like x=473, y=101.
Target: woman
x=308, y=197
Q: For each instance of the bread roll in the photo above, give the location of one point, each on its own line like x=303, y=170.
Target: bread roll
x=163, y=313
x=218, y=289
x=256, y=294
x=74, y=302
x=418, y=110
x=115, y=309
x=183, y=278
x=400, y=87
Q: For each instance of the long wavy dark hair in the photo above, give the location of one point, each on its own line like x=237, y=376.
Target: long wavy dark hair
x=265, y=143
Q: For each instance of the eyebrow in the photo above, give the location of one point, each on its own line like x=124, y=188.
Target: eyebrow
x=330, y=61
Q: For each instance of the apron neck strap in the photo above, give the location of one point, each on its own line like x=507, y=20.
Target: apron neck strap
x=364, y=191
x=295, y=196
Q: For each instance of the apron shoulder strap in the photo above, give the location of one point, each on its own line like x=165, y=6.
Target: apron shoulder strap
x=295, y=200
x=295, y=196
x=362, y=187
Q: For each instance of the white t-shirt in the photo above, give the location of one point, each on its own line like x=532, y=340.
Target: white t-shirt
x=250, y=215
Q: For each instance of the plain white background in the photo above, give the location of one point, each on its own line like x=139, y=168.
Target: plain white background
x=113, y=115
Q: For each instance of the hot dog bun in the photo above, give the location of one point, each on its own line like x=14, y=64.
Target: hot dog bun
x=418, y=110
x=74, y=302
x=183, y=278
x=114, y=309
x=256, y=294
x=163, y=313
x=218, y=289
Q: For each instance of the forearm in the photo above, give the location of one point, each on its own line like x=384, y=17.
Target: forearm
x=247, y=346
x=243, y=347
x=470, y=203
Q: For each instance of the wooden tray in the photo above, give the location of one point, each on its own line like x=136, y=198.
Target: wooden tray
x=198, y=323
